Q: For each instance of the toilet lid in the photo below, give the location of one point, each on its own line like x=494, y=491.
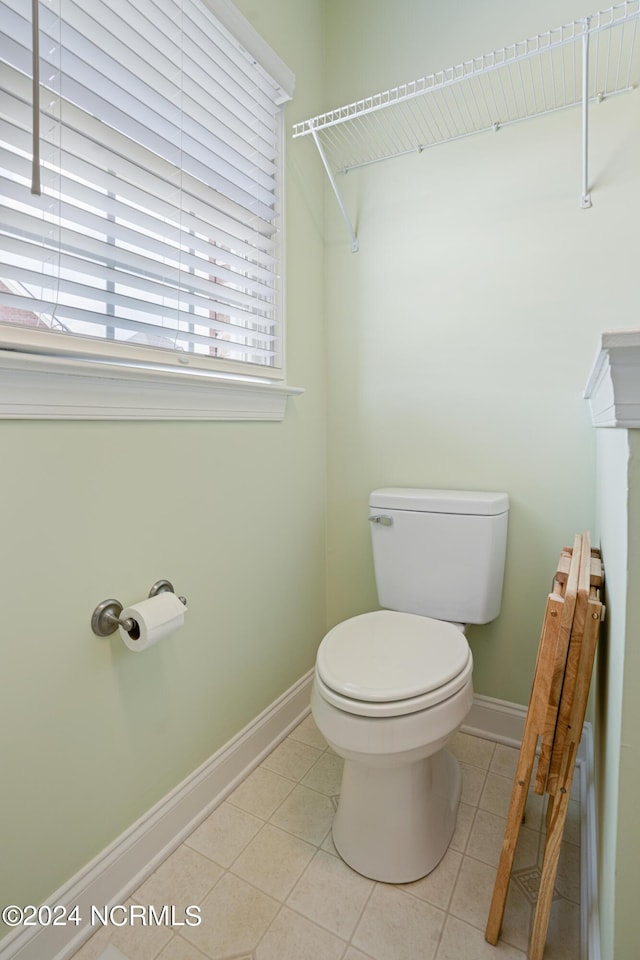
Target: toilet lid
x=386, y=655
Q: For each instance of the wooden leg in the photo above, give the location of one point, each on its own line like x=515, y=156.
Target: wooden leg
x=514, y=819
x=555, y=829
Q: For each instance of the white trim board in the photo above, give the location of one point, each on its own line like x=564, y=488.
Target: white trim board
x=116, y=872
x=38, y=387
x=613, y=389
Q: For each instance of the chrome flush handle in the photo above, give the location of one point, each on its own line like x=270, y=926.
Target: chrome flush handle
x=382, y=520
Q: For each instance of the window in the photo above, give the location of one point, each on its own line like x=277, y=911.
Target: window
x=155, y=241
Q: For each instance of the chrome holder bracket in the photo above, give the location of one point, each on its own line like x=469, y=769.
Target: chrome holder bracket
x=106, y=617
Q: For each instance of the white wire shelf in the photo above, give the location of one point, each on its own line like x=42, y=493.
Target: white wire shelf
x=589, y=59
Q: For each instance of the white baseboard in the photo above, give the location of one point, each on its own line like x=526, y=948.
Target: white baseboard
x=496, y=720
x=115, y=873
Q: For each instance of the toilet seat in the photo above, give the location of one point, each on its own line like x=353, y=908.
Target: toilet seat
x=387, y=663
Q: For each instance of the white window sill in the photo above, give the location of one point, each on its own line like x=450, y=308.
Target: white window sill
x=42, y=387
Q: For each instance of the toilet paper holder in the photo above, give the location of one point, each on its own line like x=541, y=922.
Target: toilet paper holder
x=105, y=619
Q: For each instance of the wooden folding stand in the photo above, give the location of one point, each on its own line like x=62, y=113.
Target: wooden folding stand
x=555, y=717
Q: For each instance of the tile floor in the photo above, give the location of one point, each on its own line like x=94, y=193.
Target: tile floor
x=270, y=886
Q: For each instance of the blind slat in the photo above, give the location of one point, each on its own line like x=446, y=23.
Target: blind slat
x=161, y=167
x=129, y=314
x=138, y=213
x=221, y=332
x=147, y=250
x=129, y=262
x=83, y=137
x=175, y=284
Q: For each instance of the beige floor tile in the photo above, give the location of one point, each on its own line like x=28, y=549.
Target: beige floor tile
x=325, y=775
x=496, y=798
x=473, y=779
x=331, y=894
x=437, y=887
x=464, y=822
x=261, y=793
x=291, y=759
x=179, y=949
x=496, y=795
x=504, y=761
x=487, y=835
x=472, y=750
x=138, y=940
x=112, y=953
x=271, y=885
x=563, y=932
x=460, y=941
x=472, y=898
x=473, y=891
x=329, y=846
x=518, y=915
x=235, y=916
x=184, y=878
x=292, y=937
x=273, y=861
x=305, y=813
x=224, y=834
x=397, y=926
x=307, y=732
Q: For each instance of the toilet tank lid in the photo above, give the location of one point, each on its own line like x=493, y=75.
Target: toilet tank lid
x=474, y=502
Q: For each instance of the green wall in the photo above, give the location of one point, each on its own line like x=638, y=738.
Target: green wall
x=618, y=711
x=460, y=339
x=452, y=350
x=232, y=513
x=461, y=336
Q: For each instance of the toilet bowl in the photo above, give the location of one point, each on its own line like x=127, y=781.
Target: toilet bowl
x=389, y=690
x=392, y=686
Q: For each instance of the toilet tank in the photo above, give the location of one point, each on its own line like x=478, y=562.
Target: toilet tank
x=439, y=553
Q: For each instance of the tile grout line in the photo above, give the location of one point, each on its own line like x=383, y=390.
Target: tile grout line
x=282, y=900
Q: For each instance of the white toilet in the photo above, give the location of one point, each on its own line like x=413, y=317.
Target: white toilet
x=391, y=686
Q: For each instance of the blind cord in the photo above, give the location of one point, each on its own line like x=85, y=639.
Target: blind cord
x=35, y=48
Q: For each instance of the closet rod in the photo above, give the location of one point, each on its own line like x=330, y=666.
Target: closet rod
x=585, y=199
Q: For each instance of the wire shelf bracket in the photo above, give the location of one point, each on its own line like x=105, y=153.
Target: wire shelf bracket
x=332, y=180
x=573, y=65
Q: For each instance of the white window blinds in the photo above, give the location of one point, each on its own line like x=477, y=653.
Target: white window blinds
x=157, y=234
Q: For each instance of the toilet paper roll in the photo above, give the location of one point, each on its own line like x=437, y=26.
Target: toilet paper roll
x=154, y=618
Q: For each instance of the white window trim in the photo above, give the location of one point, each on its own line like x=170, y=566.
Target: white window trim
x=33, y=386
x=60, y=387
x=253, y=43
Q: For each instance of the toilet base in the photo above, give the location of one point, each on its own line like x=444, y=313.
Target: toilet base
x=394, y=824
